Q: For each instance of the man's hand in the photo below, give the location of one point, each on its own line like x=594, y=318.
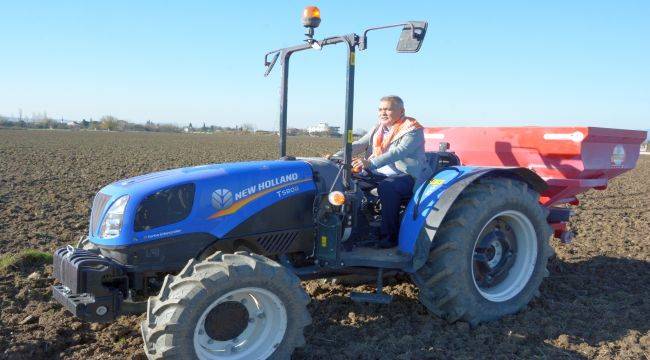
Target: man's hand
x=360, y=164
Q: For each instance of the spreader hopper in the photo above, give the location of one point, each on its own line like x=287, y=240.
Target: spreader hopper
x=570, y=159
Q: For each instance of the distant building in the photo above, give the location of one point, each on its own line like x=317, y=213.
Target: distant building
x=323, y=129
x=264, y=132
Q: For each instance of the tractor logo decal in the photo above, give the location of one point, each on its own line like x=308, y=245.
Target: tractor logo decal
x=233, y=207
x=618, y=156
x=221, y=199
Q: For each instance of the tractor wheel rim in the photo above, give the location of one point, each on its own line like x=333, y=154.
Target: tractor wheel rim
x=504, y=256
x=257, y=338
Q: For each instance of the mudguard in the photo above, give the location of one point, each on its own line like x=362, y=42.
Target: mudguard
x=431, y=201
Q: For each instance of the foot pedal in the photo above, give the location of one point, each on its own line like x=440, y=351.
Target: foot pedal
x=378, y=297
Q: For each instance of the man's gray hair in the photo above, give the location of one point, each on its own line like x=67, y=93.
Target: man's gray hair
x=395, y=100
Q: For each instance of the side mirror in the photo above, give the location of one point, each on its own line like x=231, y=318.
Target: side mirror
x=410, y=40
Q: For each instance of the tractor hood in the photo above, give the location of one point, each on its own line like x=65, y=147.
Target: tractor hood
x=202, y=199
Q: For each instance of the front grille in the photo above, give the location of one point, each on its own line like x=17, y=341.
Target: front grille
x=98, y=207
x=278, y=242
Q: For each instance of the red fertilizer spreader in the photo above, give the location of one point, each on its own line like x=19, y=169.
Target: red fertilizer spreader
x=571, y=160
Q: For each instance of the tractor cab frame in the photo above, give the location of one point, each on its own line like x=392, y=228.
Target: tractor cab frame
x=410, y=41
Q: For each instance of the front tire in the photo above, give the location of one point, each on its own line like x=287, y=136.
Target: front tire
x=489, y=255
x=229, y=306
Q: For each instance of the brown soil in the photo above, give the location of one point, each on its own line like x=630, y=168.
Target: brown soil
x=595, y=304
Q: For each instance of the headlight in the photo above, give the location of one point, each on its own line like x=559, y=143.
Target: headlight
x=112, y=224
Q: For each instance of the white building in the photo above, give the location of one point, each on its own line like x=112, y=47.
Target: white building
x=323, y=129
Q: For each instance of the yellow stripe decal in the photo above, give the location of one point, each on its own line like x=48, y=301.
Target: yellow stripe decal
x=239, y=204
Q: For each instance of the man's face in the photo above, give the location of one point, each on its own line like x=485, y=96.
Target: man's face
x=389, y=113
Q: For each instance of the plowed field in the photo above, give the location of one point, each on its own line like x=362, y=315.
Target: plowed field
x=595, y=304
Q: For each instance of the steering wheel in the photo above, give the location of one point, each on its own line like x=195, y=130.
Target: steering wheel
x=369, y=176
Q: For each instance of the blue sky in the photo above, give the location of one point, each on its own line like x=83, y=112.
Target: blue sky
x=483, y=63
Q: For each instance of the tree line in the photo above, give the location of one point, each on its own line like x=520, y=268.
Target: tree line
x=110, y=123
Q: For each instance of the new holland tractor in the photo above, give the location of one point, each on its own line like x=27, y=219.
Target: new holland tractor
x=214, y=254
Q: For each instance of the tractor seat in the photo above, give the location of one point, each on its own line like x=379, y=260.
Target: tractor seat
x=438, y=160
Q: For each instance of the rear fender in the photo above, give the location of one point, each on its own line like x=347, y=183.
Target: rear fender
x=433, y=199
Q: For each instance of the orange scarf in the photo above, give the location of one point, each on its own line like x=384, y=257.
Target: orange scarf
x=402, y=126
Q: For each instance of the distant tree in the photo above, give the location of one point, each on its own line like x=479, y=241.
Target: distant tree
x=150, y=126
x=247, y=127
x=122, y=125
x=136, y=127
x=168, y=128
x=211, y=128
x=84, y=124
x=40, y=120
x=109, y=123
x=190, y=127
x=46, y=123
x=204, y=128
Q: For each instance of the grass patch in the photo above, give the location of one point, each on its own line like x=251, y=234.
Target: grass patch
x=25, y=258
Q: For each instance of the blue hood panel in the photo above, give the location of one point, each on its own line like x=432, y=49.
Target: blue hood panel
x=226, y=195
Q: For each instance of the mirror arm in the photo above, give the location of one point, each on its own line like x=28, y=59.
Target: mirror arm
x=363, y=41
x=290, y=50
x=269, y=64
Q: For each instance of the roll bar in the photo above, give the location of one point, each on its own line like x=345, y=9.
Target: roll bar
x=413, y=33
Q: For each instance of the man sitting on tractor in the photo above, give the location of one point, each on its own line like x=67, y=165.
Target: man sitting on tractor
x=394, y=153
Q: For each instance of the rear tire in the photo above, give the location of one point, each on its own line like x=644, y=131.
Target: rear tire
x=229, y=306
x=489, y=256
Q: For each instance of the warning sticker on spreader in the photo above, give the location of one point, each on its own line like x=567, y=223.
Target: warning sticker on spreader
x=618, y=156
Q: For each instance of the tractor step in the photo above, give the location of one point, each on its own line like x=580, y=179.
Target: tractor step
x=378, y=297
x=371, y=298
x=391, y=258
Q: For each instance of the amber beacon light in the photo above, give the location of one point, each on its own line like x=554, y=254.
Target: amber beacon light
x=311, y=17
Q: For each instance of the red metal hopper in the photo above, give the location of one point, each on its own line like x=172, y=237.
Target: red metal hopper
x=572, y=160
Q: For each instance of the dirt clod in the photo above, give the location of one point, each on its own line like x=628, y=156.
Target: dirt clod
x=29, y=319
x=34, y=276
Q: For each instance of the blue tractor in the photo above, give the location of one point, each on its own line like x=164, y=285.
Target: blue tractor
x=214, y=254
